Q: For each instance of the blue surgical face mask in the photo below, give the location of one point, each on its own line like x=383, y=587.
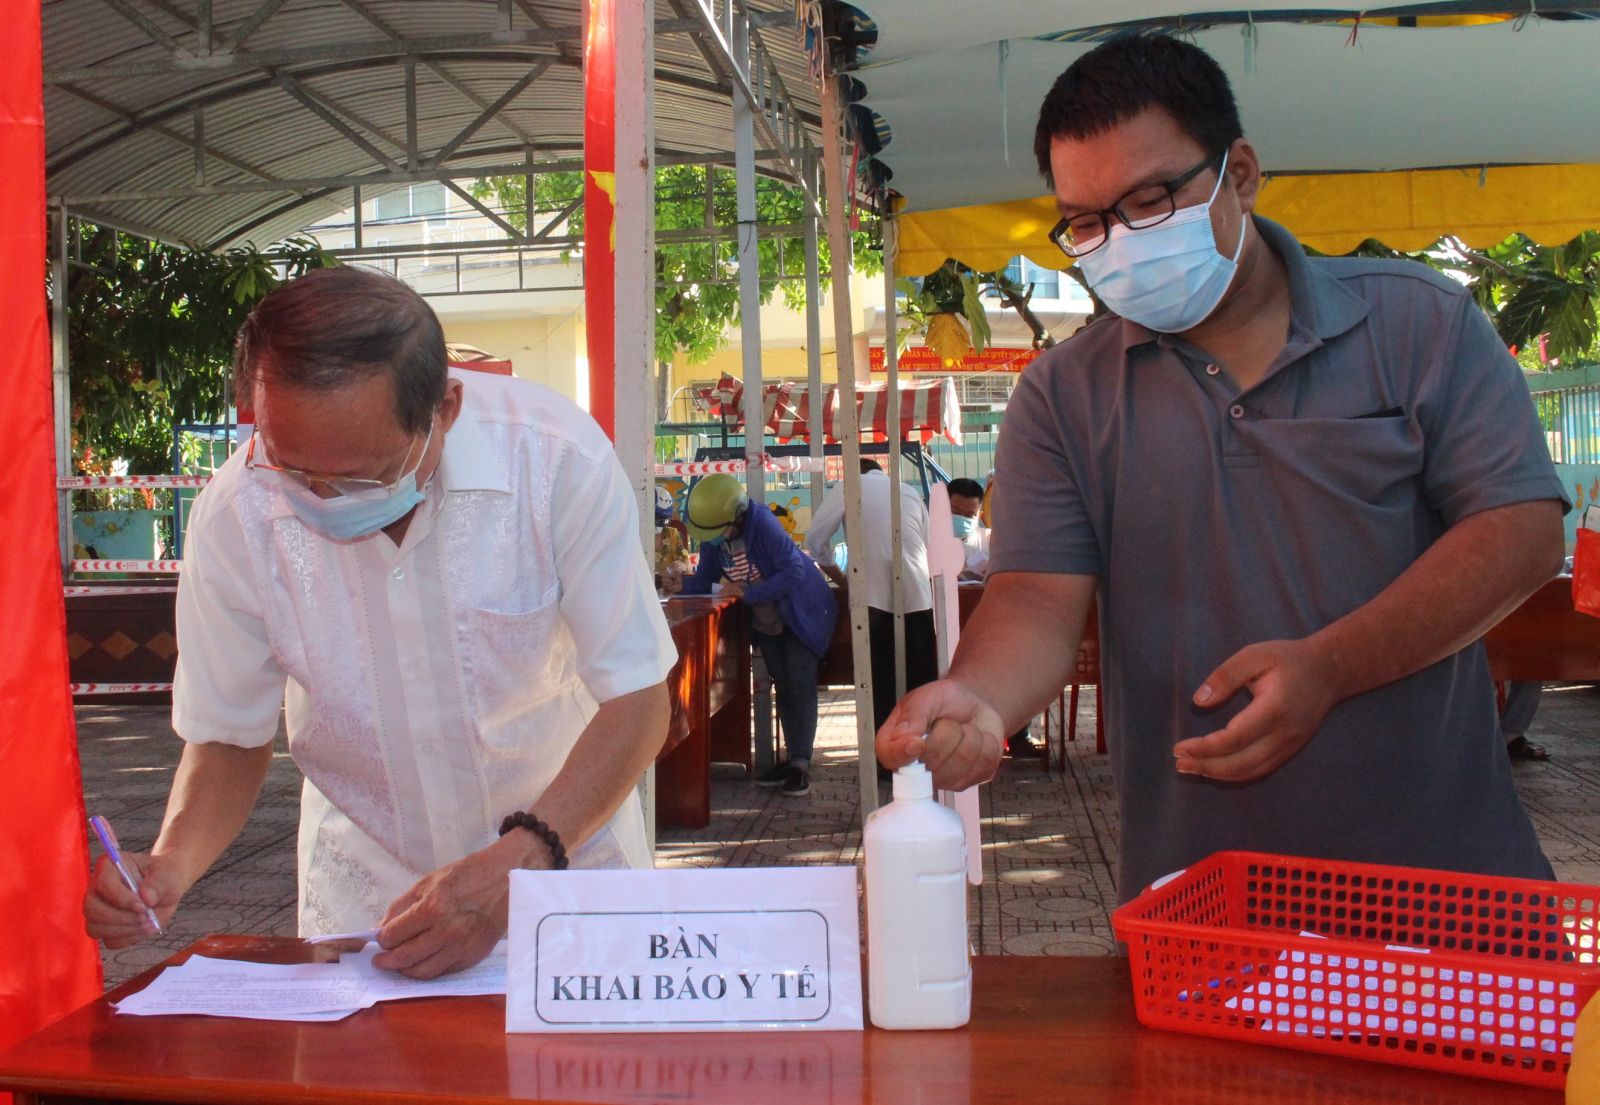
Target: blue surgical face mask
x=359, y=513
x=1168, y=277
x=965, y=527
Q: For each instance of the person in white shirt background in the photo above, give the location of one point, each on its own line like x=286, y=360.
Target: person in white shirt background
x=875, y=548
x=966, y=504
x=440, y=579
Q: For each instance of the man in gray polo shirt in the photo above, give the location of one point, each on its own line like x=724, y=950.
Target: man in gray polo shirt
x=1303, y=489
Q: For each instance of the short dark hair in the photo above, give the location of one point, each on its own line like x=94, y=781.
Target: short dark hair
x=334, y=326
x=1118, y=79
x=967, y=489
x=868, y=465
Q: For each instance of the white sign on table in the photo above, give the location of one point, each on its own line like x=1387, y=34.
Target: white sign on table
x=684, y=951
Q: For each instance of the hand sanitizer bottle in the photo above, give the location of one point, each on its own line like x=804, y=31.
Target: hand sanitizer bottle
x=918, y=971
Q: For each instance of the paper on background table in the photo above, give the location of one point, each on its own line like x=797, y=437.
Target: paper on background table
x=300, y=991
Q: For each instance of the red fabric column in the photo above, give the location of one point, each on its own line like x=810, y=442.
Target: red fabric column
x=599, y=204
x=47, y=965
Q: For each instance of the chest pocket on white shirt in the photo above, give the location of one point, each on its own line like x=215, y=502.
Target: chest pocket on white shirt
x=518, y=661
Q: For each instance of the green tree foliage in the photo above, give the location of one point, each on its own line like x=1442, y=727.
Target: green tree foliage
x=150, y=338
x=1528, y=289
x=697, y=289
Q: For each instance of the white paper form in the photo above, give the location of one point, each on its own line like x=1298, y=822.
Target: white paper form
x=487, y=977
x=261, y=991
x=301, y=991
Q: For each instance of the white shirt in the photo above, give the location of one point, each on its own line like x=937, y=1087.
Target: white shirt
x=975, y=551
x=432, y=687
x=876, y=546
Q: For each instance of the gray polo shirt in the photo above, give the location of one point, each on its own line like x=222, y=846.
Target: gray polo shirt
x=1216, y=518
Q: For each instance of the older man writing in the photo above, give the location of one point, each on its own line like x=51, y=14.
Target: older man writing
x=441, y=579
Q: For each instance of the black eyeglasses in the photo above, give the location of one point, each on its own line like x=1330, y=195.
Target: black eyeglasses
x=1143, y=207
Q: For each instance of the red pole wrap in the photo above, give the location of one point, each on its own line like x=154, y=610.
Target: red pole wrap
x=48, y=966
x=599, y=207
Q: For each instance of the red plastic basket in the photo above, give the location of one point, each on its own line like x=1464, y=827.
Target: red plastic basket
x=1470, y=974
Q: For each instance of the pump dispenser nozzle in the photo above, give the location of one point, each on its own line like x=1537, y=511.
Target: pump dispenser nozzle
x=913, y=781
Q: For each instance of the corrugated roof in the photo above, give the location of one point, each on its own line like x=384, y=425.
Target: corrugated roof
x=128, y=83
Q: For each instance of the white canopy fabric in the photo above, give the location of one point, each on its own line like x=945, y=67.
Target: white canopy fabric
x=961, y=119
x=909, y=28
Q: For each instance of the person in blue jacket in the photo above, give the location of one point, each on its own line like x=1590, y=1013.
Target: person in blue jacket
x=792, y=608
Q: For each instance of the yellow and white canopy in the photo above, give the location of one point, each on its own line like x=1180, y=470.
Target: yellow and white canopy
x=1469, y=124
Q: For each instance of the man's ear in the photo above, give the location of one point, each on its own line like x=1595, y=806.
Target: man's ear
x=450, y=409
x=1244, y=171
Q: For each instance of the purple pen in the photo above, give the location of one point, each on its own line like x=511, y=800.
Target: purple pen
x=108, y=841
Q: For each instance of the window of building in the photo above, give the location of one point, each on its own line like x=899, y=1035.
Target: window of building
x=427, y=199
x=415, y=201
x=1046, y=282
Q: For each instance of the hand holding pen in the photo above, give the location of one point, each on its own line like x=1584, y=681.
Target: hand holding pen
x=108, y=841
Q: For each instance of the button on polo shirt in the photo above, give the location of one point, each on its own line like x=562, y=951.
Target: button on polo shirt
x=1216, y=518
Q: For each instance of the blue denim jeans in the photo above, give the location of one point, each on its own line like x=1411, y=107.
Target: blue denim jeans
x=793, y=668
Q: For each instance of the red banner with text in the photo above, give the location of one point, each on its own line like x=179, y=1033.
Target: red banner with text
x=920, y=358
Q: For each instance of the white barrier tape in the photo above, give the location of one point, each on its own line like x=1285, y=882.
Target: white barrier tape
x=701, y=468
x=679, y=468
x=77, y=592
x=72, y=483
x=737, y=467
x=119, y=688
x=796, y=464
x=93, y=566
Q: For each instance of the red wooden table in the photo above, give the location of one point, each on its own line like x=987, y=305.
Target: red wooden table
x=1545, y=640
x=710, y=687
x=1043, y=1030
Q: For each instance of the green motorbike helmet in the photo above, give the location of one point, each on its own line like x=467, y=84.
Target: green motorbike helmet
x=715, y=503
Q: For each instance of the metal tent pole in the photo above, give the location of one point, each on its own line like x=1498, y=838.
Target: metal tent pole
x=744, y=170
x=635, y=282
x=744, y=174
x=635, y=322
x=61, y=382
x=815, y=424
x=848, y=432
x=891, y=398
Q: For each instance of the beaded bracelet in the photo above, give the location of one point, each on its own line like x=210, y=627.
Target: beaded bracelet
x=525, y=820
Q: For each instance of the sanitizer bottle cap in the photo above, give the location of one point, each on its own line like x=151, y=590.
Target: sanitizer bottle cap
x=913, y=781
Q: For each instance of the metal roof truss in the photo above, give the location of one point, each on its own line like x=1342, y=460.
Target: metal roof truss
x=287, y=113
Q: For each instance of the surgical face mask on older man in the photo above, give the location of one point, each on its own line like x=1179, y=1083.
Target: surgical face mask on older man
x=355, y=508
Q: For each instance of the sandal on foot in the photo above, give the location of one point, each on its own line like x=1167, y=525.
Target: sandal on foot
x=1521, y=748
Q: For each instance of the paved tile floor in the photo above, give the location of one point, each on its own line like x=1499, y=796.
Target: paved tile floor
x=1050, y=840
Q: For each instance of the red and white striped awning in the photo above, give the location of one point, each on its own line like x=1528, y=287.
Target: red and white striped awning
x=928, y=407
